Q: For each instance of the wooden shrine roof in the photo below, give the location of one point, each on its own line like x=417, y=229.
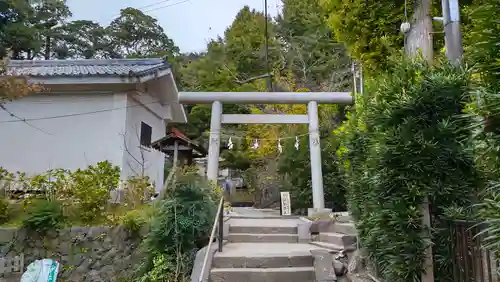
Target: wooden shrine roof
x=166, y=144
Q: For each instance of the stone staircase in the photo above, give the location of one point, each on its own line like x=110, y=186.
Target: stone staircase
x=263, y=250
x=270, y=250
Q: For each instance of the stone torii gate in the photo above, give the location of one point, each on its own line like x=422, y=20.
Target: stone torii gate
x=310, y=98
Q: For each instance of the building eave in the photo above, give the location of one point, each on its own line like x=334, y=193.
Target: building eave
x=98, y=79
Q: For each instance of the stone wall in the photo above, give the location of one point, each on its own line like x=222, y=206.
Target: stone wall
x=85, y=253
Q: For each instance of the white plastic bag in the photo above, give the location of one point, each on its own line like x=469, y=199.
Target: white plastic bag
x=44, y=270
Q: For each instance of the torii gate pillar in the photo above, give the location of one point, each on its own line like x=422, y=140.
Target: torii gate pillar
x=214, y=142
x=315, y=153
x=310, y=98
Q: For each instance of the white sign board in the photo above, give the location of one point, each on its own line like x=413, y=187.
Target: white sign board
x=286, y=207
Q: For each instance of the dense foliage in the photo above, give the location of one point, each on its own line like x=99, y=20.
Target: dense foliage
x=181, y=224
x=42, y=30
x=44, y=216
x=484, y=50
x=402, y=146
x=370, y=36
x=83, y=194
x=405, y=140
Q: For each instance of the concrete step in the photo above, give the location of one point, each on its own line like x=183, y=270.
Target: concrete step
x=344, y=227
x=270, y=261
x=262, y=238
x=263, y=229
x=263, y=225
x=337, y=238
x=263, y=255
x=288, y=274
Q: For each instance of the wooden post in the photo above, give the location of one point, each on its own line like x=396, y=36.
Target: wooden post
x=420, y=40
x=428, y=275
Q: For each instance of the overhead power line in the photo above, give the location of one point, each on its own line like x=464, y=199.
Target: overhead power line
x=165, y=6
x=152, y=8
x=22, y=120
x=26, y=120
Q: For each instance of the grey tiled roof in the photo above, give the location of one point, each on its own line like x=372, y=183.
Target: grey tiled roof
x=112, y=67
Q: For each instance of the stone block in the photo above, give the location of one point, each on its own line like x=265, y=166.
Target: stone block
x=322, y=225
x=323, y=266
x=304, y=231
x=338, y=239
x=344, y=227
x=318, y=212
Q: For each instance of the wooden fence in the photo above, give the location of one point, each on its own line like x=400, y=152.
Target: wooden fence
x=471, y=261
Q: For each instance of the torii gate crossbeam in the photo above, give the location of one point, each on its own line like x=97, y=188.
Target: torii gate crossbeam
x=310, y=98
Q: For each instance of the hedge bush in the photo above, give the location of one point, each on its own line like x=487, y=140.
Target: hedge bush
x=403, y=143
x=181, y=224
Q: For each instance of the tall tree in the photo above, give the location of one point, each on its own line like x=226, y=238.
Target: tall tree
x=135, y=34
x=245, y=43
x=17, y=32
x=82, y=40
x=28, y=26
x=370, y=29
x=47, y=16
x=317, y=60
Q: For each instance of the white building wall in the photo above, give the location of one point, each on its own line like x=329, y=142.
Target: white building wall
x=137, y=159
x=85, y=130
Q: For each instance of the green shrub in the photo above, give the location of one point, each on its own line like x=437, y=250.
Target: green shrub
x=133, y=221
x=165, y=268
x=44, y=216
x=182, y=221
x=138, y=191
x=484, y=51
x=5, y=210
x=405, y=143
x=91, y=189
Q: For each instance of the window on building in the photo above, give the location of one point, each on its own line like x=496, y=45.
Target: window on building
x=146, y=133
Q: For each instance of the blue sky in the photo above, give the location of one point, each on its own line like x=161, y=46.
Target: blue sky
x=190, y=23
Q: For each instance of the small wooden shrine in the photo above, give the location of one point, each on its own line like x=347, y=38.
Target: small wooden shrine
x=182, y=149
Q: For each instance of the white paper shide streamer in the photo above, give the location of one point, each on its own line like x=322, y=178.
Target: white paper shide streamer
x=297, y=143
x=255, y=145
x=280, y=148
x=230, y=144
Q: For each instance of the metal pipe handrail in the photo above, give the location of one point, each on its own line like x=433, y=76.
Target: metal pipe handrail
x=218, y=220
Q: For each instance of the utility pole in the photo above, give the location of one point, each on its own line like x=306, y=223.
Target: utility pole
x=269, y=76
x=452, y=33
